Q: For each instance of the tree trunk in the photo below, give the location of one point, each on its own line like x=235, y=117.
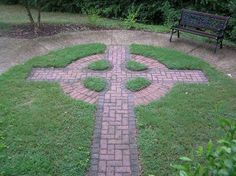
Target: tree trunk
x=29, y=13
x=38, y=25
x=39, y=17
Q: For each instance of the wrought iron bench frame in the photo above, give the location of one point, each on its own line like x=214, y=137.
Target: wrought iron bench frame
x=203, y=24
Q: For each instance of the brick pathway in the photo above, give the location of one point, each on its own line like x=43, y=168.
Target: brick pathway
x=114, y=150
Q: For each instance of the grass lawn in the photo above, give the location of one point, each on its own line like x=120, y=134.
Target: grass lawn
x=44, y=131
x=95, y=83
x=135, y=66
x=137, y=84
x=99, y=65
x=186, y=117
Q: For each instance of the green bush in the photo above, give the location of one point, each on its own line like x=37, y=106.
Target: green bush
x=215, y=160
x=151, y=11
x=132, y=16
x=9, y=1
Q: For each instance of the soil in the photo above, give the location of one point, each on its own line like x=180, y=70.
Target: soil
x=26, y=31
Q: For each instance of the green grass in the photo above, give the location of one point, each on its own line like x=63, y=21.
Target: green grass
x=45, y=131
x=135, y=66
x=95, y=83
x=15, y=14
x=186, y=117
x=201, y=39
x=4, y=27
x=137, y=84
x=99, y=65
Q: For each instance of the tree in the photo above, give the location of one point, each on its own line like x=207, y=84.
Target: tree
x=38, y=5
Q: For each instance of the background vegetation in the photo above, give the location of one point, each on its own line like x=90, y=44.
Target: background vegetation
x=148, y=11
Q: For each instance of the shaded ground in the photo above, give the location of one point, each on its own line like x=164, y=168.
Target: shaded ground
x=26, y=31
x=14, y=51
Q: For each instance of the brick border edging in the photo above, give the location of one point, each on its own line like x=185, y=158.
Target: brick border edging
x=134, y=153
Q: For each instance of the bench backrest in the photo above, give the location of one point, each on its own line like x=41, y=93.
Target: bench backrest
x=203, y=20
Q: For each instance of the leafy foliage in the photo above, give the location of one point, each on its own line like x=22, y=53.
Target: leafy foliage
x=132, y=16
x=218, y=159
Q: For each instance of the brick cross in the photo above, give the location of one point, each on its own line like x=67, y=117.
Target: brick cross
x=114, y=149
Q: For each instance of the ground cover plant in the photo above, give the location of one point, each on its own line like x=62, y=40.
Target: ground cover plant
x=135, y=66
x=42, y=130
x=99, y=65
x=137, y=84
x=185, y=118
x=95, y=83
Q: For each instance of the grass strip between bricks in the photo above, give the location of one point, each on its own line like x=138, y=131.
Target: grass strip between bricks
x=137, y=84
x=99, y=65
x=135, y=66
x=95, y=83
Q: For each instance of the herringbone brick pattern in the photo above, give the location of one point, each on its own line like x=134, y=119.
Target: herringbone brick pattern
x=114, y=149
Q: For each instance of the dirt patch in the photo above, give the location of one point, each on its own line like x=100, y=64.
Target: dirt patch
x=26, y=31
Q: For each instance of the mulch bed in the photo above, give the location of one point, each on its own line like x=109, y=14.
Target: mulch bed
x=26, y=31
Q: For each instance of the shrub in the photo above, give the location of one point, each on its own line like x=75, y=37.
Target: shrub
x=216, y=159
x=132, y=16
x=93, y=14
x=170, y=15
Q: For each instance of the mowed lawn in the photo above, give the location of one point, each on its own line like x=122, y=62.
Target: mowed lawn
x=42, y=130
x=186, y=117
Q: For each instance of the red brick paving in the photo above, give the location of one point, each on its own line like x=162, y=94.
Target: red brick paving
x=114, y=149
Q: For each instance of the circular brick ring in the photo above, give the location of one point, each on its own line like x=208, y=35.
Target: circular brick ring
x=114, y=149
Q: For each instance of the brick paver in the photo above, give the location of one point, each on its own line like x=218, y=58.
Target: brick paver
x=114, y=149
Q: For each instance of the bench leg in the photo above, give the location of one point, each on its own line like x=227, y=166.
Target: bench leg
x=217, y=42
x=178, y=34
x=221, y=44
x=172, y=31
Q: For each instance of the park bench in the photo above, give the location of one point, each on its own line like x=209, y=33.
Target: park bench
x=203, y=24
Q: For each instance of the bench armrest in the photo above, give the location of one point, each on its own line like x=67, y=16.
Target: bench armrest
x=176, y=23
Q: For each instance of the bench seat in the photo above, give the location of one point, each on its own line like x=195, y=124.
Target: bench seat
x=202, y=24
